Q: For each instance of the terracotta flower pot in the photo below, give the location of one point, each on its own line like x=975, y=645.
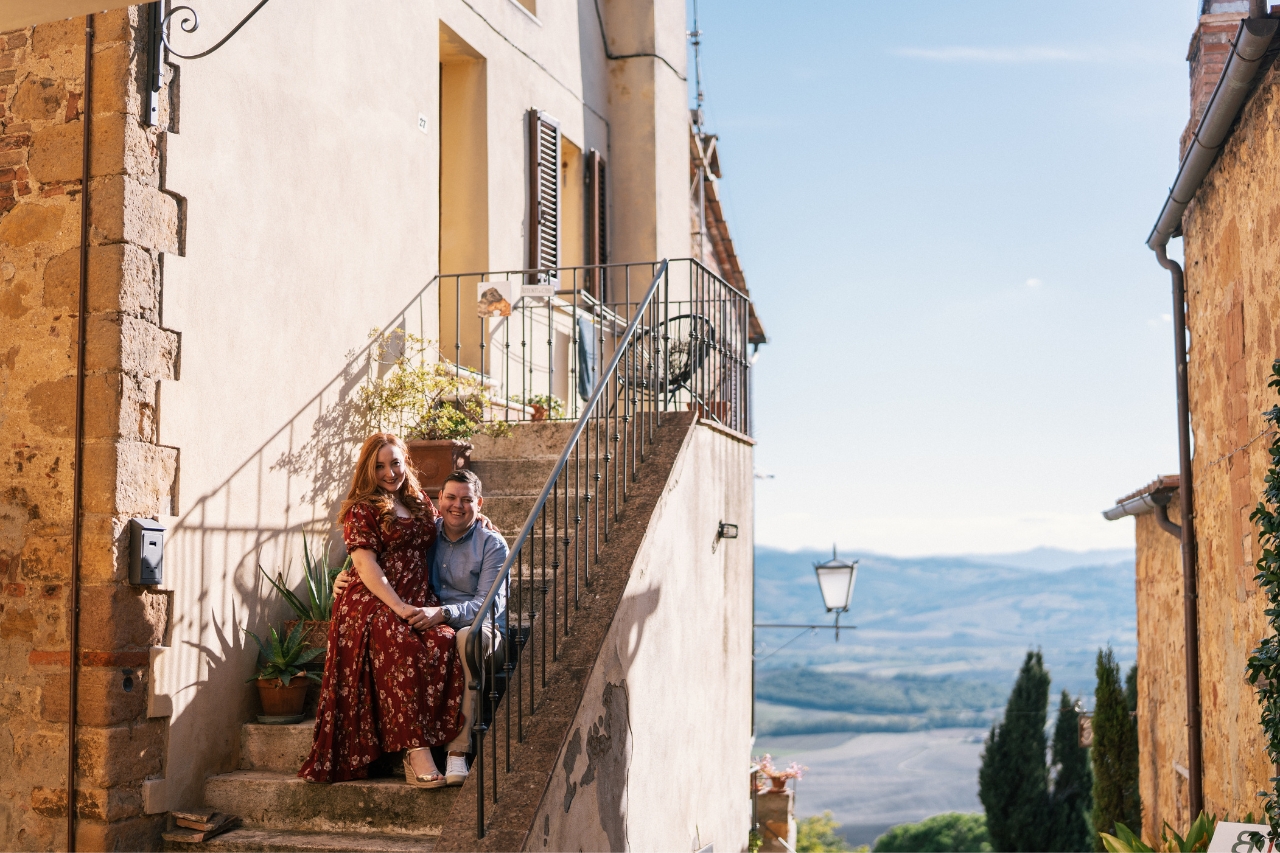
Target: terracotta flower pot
x=315, y=635
x=539, y=412
x=435, y=459
x=779, y=783
x=279, y=700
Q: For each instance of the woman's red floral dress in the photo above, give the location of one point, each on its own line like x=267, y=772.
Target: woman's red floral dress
x=386, y=686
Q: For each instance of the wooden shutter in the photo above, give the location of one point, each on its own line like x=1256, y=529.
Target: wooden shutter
x=544, y=193
x=597, y=223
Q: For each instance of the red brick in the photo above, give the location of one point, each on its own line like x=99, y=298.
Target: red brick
x=115, y=659
x=41, y=658
x=15, y=590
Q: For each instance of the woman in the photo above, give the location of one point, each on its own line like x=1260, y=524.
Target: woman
x=391, y=682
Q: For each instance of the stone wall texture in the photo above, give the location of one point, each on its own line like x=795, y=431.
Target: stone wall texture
x=1232, y=250
x=1162, y=695
x=126, y=474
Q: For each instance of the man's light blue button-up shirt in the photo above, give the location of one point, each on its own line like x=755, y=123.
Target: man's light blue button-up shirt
x=463, y=571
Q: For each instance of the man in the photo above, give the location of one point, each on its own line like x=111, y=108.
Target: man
x=465, y=562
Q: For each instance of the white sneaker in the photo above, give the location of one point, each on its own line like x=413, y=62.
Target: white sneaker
x=456, y=771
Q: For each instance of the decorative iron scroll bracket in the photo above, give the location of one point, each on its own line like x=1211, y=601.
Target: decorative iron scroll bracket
x=189, y=21
x=158, y=41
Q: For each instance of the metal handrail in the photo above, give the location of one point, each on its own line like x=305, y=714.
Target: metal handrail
x=608, y=360
x=474, y=644
x=487, y=604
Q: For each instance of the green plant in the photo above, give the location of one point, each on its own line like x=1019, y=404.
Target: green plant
x=1013, y=780
x=948, y=832
x=422, y=396
x=754, y=841
x=318, y=575
x=1071, y=799
x=1195, y=841
x=817, y=834
x=1263, y=666
x=552, y=404
x=1115, y=752
x=285, y=659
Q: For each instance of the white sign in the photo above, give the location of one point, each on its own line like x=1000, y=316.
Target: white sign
x=541, y=289
x=1234, y=838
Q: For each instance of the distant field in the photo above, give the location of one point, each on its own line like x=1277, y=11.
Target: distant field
x=807, y=701
x=871, y=782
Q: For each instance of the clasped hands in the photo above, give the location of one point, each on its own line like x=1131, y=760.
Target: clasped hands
x=422, y=618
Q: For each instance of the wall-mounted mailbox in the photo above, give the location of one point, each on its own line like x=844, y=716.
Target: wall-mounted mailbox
x=146, y=552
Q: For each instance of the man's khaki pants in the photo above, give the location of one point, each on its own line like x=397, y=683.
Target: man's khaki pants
x=490, y=644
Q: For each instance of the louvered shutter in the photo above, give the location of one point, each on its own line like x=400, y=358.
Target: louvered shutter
x=597, y=224
x=544, y=193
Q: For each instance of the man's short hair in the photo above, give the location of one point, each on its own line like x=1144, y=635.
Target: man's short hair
x=462, y=475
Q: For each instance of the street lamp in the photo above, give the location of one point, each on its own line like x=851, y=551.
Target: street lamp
x=835, y=579
x=835, y=582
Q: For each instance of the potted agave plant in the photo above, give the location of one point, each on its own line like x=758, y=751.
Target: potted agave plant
x=315, y=610
x=431, y=404
x=283, y=678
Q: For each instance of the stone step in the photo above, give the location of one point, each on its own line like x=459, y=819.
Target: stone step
x=509, y=513
x=246, y=839
x=264, y=799
x=282, y=749
x=527, y=441
x=512, y=476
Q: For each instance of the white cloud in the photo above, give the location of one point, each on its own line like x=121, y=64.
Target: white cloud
x=1033, y=283
x=993, y=54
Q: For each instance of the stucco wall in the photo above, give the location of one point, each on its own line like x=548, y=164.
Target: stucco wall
x=1162, y=698
x=311, y=215
x=656, y=758
x=1232, y=248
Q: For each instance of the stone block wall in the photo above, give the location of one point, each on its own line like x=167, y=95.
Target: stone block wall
x=126, y=473
x=1232, y=250
x=1162, y=692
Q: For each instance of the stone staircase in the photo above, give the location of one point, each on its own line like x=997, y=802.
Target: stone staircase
x=281, y=812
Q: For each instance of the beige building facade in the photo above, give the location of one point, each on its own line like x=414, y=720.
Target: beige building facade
x=297, y=188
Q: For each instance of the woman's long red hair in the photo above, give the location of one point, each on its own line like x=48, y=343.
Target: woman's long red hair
x=365, y=489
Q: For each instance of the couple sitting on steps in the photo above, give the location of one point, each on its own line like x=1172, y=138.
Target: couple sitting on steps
x=396, y=677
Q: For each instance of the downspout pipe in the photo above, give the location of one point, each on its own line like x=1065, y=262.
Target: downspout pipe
x=77, y=485
x=1251, y=43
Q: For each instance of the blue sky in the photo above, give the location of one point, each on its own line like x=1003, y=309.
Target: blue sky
x=941, y=211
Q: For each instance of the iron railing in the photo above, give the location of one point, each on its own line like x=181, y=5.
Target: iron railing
x=544, y=358
x=680, y=345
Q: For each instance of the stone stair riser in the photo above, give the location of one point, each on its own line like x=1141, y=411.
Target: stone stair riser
x=278, y=801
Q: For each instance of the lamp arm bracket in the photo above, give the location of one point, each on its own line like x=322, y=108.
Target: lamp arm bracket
x=190, y=22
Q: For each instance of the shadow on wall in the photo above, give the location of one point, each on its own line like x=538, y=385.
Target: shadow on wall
x=607, y=741
x=293, y=483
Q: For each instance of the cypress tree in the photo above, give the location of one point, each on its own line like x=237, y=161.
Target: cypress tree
x=1072, y=797
x=1115, y=752
x=1013, y=781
